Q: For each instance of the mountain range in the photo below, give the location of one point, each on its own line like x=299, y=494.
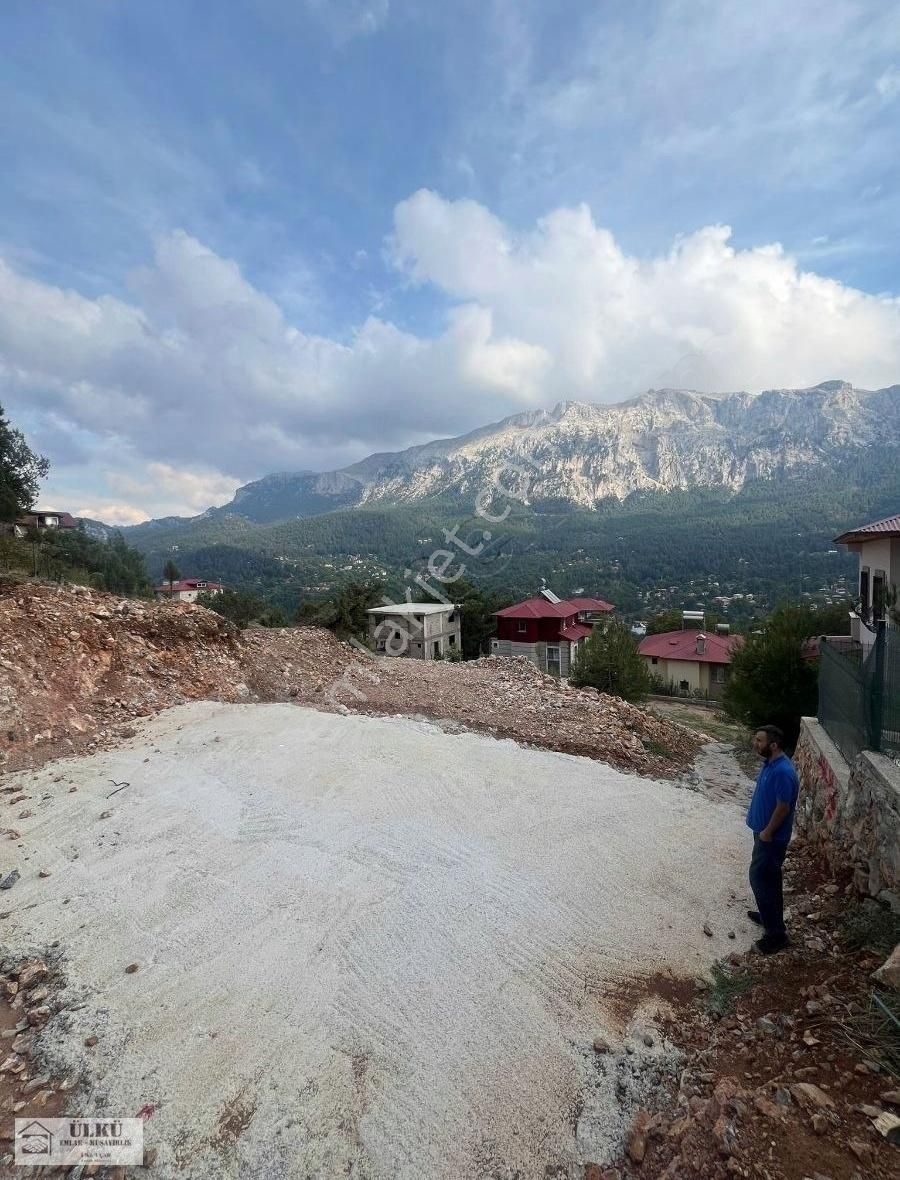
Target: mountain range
x=583, y=453
x=672, y=487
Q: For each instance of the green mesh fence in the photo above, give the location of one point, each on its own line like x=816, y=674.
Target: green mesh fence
x=859, y=694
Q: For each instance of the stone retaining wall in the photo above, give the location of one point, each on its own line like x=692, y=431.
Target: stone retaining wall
x=851, y=812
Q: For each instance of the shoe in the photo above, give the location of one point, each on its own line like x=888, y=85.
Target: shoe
x=754, y=916
x=770, y=944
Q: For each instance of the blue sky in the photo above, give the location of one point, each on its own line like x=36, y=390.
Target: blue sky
x=245, y=237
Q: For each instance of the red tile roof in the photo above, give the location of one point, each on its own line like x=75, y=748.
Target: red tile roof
x=188, y=584
x=594, y=604
x=682, y=645
x=889, y=527
x=575, y=631
x=537, y=608
x=541, y=608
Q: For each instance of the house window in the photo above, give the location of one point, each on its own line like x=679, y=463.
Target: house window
x=523, y=626
x=864, y=591
x=654, y=659
x=553, y=659
x=684, y=686
x=452, y=640
x=719, y=674
x=878, y=597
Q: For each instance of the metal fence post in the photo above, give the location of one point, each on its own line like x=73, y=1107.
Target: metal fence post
x=876, y=717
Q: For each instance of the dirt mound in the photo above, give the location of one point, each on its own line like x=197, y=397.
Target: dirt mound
x=77, y=666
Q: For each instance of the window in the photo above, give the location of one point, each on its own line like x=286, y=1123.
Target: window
x=719, y=674
x=523, y=626
x=452, y=640
x=864, y=591
x=684, y=686
x=654, y=659
x=553, y=659
x=878, y=595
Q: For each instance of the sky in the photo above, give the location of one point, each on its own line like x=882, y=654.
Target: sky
x=276, y=235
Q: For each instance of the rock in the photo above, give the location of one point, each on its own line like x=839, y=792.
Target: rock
x=810, y=1097
x=637, y=1140
x=22, y=1043
x=767, y=1026
x=707, y=930
x=648, y=1040
x=887, y=974
x=732, y=934
x=783, y=1096
x=39, y=1015
x=91, y=1041
x=892, y=1097
x=44, y=873
x=871, y=1112
x=724, y=1135
x=33, y=972
x=769, y=1109
x=831, y=890
x=10, y=879
x=131, y=968
x=105, y=814
x=819, y=1124
x=601, y=1045
x=862, y=1151
x=887, y=1125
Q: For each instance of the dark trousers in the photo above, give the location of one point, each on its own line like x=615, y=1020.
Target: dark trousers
x=766, y=883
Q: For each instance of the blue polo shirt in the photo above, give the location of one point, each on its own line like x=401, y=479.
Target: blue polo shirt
x=777, y=783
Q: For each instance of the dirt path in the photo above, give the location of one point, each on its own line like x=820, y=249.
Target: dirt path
x=364, y=946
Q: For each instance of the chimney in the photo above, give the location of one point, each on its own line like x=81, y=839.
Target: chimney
x=723, y=628
x=701, y=643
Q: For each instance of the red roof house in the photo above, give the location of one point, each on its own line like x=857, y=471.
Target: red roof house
x=187, y=589
x=547, y=629
x=691, y=661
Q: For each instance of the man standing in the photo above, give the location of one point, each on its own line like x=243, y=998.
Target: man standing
x=771, y=818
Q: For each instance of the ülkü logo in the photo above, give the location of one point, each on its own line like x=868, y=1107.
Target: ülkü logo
x=35, y=1139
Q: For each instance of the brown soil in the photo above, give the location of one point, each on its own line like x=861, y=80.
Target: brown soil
x=735, y=1110
x=77, y=667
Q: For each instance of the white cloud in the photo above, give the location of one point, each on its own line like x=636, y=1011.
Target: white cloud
x=199, y=380
x=888, y=85
x=110, y=513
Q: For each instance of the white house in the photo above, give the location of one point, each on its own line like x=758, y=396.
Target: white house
x=878, y=547
x=418, y=630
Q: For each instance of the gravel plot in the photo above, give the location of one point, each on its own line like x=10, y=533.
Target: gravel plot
x=364, y=946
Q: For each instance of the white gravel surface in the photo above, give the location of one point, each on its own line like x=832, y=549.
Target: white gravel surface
x=366, y=947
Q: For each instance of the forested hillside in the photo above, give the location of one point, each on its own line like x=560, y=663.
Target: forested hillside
x=772, y=539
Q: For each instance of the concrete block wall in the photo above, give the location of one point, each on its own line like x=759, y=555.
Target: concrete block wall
x=852, y=812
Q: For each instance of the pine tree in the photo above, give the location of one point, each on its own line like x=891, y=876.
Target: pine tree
x=609, y=661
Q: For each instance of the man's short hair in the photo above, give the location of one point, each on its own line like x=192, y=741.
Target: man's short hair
x=774, y=734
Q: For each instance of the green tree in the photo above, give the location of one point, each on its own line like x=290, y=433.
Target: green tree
x=21, y=472
x=609, y=661
x=773, y=680
x=832, y=620
x=345, y=614
x=171, y=573
x=667, y=620
x=240, y=607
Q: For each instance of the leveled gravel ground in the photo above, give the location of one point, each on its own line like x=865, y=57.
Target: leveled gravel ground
x=365, y=947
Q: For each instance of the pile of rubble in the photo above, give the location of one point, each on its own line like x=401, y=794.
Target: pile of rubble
x=511, y=698
x=77, y=666
x=786, y=1080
